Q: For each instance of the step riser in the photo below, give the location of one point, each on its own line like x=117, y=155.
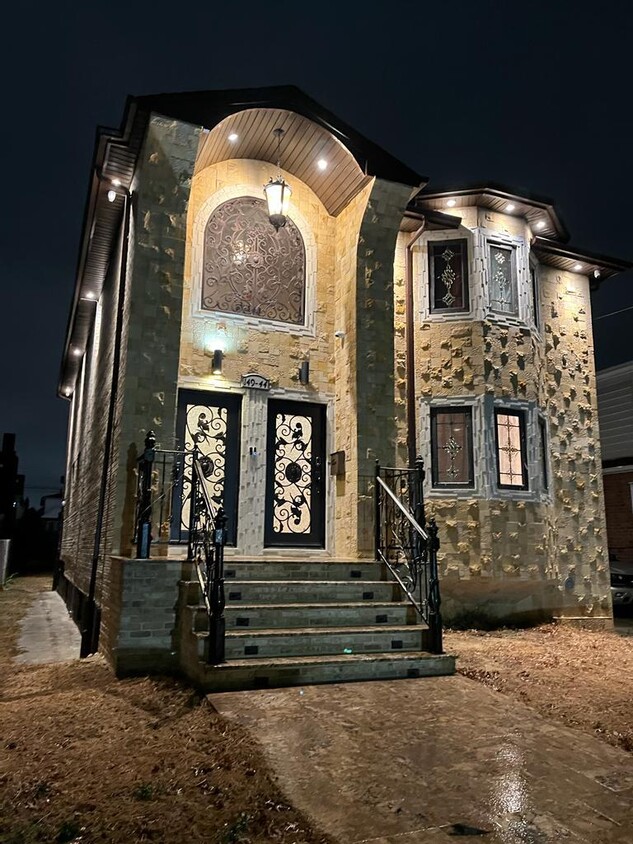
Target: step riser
x=258, y=677
x=322, y=644
x=303, y=571
x=282, y=616
x=309, y=592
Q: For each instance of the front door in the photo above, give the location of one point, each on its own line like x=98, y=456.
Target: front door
x=295, y=479
x=209, y=422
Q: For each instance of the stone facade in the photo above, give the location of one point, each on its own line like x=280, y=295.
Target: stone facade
x=513, y=554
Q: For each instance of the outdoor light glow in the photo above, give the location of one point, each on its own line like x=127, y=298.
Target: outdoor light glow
x=277, y=195
x=233, y=137
x=67, y=391
x=90, y=295
x=510, y=207
x=578, y=267
x=76, y=352
x=322, y=164
x=111, y=195
x=451, y=203
x=116, y=183
x=540, y=224
x=216, y=365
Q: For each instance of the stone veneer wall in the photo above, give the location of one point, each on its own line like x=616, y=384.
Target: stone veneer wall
x=149, y=355
x=514, y=555
x=148, y=399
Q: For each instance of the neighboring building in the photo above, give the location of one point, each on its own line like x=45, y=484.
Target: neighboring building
x=11, y=487
x=615, y=404
x=385, y=319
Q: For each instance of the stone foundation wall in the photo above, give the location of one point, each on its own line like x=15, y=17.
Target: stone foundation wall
x=139, y=616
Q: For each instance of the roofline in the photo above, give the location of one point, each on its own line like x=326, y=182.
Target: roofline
x=564, y=250
x=503, y=192
x=372, y=158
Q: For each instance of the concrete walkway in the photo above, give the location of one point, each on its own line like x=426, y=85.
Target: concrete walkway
x=48, y=634
x=433, y=759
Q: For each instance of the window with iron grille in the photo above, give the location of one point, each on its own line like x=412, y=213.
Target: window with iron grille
x=448, y=274
x=452, y=447
x=249, y=268
x=511, y=449
x=502, y=279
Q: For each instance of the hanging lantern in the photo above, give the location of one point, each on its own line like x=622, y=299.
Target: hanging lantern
x=278, y=192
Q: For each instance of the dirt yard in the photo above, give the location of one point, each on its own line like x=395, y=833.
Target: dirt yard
x=84, y=757
x=582, y=678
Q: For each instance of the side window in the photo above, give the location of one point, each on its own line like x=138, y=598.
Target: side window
x=511, y=449
x=448, y=276
x=502, y=279
x=452, y=447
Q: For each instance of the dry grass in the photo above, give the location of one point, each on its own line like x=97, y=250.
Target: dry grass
x=579, y=677
x=87, y=758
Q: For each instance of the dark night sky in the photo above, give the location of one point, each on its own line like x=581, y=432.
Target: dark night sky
x=536, y=95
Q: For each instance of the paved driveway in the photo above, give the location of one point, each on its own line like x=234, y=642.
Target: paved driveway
x=437, y=760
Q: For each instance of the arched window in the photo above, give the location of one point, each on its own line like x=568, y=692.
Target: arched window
x=249, y=268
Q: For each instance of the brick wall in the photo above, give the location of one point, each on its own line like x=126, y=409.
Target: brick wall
x=617, y=495
x=139, y=616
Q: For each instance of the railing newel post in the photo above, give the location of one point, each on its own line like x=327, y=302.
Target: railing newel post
x=144, y=524
x=435, y=615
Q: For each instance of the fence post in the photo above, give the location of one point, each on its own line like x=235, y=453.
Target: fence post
x=217, y=621
x=144, y=527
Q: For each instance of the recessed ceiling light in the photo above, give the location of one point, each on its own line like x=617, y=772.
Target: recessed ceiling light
x=90, y=295
x=510, y=207
x=541, y=224
x=67, y=391
x=322, y=164
x=577, y=267
x=233, y=137
x=76, y=352
x=451, y=203
x=116, y=183
x=111, y=195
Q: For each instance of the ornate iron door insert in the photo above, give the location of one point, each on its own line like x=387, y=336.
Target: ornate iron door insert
x=295, y=482
x=209, y=423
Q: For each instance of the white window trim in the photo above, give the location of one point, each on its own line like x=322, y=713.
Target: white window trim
x=423, y=286
x=197, y=261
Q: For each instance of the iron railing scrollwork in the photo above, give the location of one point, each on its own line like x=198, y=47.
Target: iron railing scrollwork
x=162, y=477
x=207, y=538
x=407, y=544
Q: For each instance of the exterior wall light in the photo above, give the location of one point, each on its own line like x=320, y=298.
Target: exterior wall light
x=216, y=364
x=304, y=372
x=277, y=191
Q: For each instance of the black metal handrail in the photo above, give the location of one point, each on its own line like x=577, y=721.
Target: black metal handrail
x=159, y=473
x=207, y=538
x=407, y=545
x=163, y=476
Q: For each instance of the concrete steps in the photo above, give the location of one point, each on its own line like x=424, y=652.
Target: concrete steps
x=297, y=622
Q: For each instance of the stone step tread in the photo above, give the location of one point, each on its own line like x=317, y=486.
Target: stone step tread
x=320, y=631
x=326, y=659
x=316, y=606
